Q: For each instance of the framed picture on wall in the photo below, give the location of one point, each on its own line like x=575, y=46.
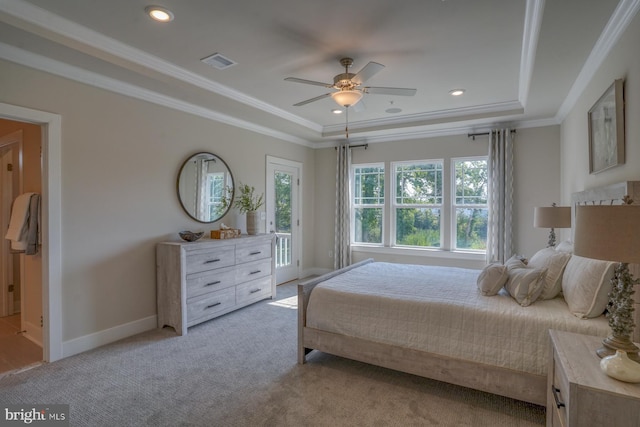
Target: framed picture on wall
x=606, y=129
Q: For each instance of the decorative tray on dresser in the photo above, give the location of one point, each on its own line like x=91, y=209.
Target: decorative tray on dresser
x=579, y=393
x=198, y=281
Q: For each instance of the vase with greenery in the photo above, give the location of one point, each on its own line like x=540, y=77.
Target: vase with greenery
x=248, y=202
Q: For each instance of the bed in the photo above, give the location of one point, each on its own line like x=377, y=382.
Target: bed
x=434, y=322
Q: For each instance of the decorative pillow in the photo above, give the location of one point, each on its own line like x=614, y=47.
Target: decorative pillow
x=586, y=284
x=554, y=262
x=516, y=261
x=565, y=246
x=525, y=284
x=492, y=278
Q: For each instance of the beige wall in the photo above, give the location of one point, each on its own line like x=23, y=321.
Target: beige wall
x=32, y=182
x=120, y=159
x=536, y=183
x=622, y=62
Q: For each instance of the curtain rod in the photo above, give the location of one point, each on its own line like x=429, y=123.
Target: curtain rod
x=365, y=146
x=473, y=135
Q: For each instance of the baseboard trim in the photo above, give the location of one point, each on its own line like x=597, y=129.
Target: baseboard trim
x=97, y=339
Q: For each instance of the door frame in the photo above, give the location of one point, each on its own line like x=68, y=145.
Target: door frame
x=297, y=241
x=11, y=141
x=51, y=226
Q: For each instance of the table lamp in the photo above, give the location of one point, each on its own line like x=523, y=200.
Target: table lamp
x=612, y=233
x=552, y=217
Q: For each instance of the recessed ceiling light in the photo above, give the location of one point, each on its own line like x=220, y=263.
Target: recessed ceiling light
x=159, y=14
x=336, y=111
x=456, y=92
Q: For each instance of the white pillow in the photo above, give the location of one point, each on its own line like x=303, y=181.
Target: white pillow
x=586, y=284
x=565, y=246
x=525, y=284
x=516, y=261
x=554, y=262
x=492, y=278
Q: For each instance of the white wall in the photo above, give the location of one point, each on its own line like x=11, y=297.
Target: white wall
x=120, y=160
x=536, y=183
x=622, y=62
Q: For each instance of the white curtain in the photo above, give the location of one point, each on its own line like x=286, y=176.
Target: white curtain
x=500, y=244
x=342, y=245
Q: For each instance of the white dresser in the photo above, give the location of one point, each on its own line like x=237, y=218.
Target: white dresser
x=201, y=280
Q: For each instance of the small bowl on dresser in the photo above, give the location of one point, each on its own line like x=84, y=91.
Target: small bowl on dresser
x=190, y=236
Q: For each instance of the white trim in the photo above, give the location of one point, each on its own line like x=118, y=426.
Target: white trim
x=107, y=336
x=61, y=69
x=32, y=332
x=51, y=223
x=74, y=33
x=618, y=23
x=420, y=252
x=530, y=35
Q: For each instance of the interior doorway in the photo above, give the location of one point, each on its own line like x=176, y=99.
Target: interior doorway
x=283, y=215
x=51, y=219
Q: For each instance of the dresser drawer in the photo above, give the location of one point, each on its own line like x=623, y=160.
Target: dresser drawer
x=560, y=388
x=208, y=305
x=210, y=281
x=254, y=290
x=253, y=270
x=208, y=259
x=247, y=253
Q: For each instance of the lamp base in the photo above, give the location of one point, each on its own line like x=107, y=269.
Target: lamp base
x=613, y=343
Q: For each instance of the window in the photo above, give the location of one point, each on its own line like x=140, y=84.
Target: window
x=368, y=203
x=417, y=203
x=215, y=191
x=470, y=203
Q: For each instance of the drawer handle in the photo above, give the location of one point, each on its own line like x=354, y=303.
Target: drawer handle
x=256, y=253
x=555, y=392
x=212, y=260
x=255, y=272
x=213, y=283
x=213, y=305
x=254, y=291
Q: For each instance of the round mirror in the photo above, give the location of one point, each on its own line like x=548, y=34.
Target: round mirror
x=205, y=187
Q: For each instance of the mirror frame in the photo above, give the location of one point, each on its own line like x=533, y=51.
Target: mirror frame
x=184, y=208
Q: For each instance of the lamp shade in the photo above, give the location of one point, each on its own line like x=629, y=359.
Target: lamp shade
x=347, y=98
x=610, y=233
x=552, y=217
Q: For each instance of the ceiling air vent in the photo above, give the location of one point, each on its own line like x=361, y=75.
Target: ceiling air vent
x=218, y=61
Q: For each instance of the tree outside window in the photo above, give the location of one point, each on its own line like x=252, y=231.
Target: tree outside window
x=471, y=189
x=418, y=203
x=368, y=203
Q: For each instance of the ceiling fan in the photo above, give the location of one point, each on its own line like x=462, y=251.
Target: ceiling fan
x=348, y=89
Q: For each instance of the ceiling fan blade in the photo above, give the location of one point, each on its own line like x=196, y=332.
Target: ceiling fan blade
x=369, y=70
x=317, y=98
x=308, y=82
x=401, y=91
x=359, y=106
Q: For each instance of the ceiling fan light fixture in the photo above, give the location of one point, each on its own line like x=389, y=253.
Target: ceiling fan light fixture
x=347, y=98
x=456, y=92
x=159, y=14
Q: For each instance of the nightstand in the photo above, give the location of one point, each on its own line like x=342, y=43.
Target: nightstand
x=579, y=393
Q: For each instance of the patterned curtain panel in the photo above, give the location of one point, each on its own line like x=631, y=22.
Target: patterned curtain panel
x=342, y=245
x=500, y=244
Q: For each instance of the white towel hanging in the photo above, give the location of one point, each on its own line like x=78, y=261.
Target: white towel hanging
x=19, y=223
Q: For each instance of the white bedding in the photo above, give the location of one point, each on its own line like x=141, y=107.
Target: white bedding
x=440, y=310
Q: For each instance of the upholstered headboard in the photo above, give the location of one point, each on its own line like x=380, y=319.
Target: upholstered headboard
x=612, y=195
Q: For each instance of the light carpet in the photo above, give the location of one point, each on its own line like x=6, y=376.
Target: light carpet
x=240, y=370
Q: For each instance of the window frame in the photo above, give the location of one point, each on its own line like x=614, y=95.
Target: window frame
x=393, y=205
x=453, y=205
x=355, y=206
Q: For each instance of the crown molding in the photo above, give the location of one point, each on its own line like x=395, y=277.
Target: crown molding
x=433, y=117
x=58, y=68
x=618, y=23
x=530, y=36
x=56, y=26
